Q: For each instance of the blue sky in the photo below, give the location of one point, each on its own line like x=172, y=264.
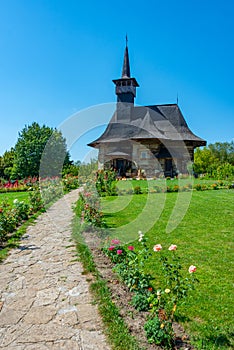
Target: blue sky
x=59, y=57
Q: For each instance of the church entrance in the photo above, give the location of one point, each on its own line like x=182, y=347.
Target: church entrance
x=169, y=170
x=123, y=167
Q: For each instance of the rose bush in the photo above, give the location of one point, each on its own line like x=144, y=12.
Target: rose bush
x=162, y=302
x=11, y=217
x=90, y=207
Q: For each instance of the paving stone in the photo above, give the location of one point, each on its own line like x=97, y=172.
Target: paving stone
x=67, y=345
x=17, y=284
x=46, y=296
x=11, y=334
x=38, y=346
x=10, y=316
x=18, y=303
x=93, y=340
x=40, y=315
x=45, y=301
x=67, y=317
x=87, y=316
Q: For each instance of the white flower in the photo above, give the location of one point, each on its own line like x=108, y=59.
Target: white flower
x=15, y=201
x=141, y=235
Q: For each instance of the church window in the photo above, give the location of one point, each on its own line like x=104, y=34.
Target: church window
x=144, y=155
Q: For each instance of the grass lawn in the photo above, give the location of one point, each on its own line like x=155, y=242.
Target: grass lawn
x=14, y=238
x=10, y=196
x=204, y=237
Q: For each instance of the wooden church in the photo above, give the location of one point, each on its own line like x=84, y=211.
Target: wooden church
x=151, y=140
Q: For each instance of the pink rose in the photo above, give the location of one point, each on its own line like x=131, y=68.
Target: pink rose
x=172, y=247
x=192, y=269
x=111, y=247
x=131, y=247
x=115, y=241
x=119, y=251
x=157, y=247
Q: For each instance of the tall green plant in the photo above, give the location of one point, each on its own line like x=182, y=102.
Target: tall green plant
x=161, y=302
x=106, y=182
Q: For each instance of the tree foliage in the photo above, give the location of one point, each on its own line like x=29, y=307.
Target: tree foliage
x=87, y=169
x=55, y=156
x=216, y=160
x=36, y=143
x=6, y=163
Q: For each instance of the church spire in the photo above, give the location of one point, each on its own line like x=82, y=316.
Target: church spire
x=126, y=64
x=125, y=87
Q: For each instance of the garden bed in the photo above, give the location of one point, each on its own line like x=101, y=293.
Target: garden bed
x=204, y=237
x=122, y=298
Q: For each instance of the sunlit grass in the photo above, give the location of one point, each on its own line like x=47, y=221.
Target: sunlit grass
x=204, y=238
x=114, y=326
x=11, y=196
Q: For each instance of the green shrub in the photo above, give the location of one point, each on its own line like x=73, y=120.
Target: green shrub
x=198, y=187
x=137, y=190
x=70, y=183
x=159, y=332
x=176, y=188
x=169, y=189
x=215, y=186
x=157, y=189
x=35, y=199
x=21, y=210
x=224, y=171
x=140, y=301
x=8, y=220
x=91, y=213
x=106, y=183
x=51, y=189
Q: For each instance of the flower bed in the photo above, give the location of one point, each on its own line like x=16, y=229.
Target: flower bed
x=107, y=185
x=160, y=298
x=67, y=183
x=90, y=207
x=17, y=185
x=12, y=216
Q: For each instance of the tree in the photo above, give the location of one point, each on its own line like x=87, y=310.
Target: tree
x=55, y=157
x=213, y=157
x=204, y=161
x=30, y=147
x=223, y=151
x=87, y=169
x=6, y=163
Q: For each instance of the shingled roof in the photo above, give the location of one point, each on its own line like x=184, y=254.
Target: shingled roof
x=163, y=122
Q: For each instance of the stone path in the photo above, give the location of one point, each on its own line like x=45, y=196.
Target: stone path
x=45, y=301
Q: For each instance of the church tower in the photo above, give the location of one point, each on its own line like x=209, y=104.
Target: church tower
x=125, y=89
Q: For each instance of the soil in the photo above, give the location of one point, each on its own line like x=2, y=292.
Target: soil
x=121, y=296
